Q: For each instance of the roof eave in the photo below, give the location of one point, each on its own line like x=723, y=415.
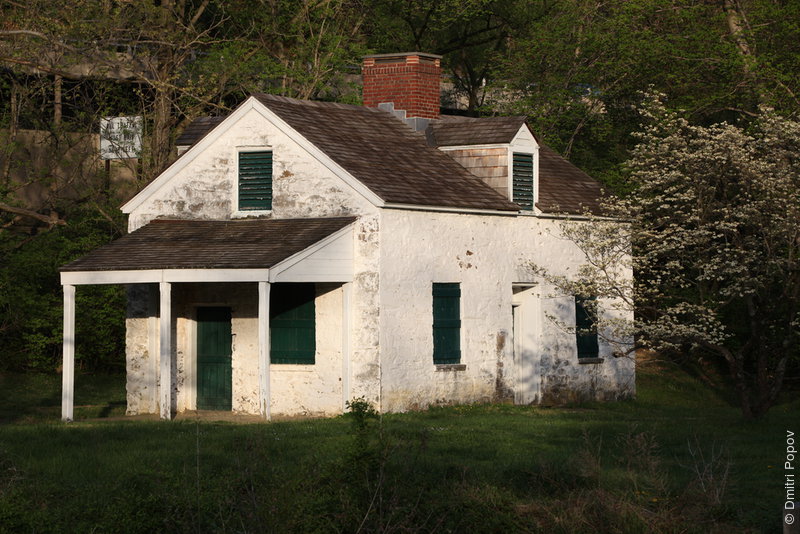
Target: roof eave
x=511, y=211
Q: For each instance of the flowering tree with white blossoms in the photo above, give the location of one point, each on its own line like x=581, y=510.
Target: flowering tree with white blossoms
x=713, y=223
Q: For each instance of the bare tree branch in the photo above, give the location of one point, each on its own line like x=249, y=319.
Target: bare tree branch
x=51, y=220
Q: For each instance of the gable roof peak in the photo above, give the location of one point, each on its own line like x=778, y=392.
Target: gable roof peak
x=384, y=154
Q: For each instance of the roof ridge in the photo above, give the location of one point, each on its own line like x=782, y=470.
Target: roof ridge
x=312, y=103
x=459, y=119
x=401, y=125
x=243, y=220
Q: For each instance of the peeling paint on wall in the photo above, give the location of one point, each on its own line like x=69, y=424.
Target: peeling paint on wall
x=502, y=391
x=141, y=359
x=420, y=248
x=398, y=255
x=302, y=187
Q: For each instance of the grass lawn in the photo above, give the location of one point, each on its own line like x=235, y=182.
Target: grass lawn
x=677, y=459
x=36, y=398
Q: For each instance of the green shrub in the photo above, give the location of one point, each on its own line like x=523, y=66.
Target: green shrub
x=31, y=309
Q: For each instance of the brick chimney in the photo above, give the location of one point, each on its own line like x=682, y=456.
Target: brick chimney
x=409, y=80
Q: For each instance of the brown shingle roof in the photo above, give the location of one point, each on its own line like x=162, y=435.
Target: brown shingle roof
x=385, y=155
x=458, y=131
x=391, y=160
x=563, y=187
x=197, y=129
x=183, y=244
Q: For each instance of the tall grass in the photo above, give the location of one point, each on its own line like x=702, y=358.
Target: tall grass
x=678, y=459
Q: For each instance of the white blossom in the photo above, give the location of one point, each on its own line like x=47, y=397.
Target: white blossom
x=713, y=225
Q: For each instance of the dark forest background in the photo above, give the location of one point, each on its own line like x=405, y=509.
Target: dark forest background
x=576, y=68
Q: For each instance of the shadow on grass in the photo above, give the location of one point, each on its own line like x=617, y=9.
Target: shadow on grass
x=605, y=468
x=36, y=397
x=112, y=409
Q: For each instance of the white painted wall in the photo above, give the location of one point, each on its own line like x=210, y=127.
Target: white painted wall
x=398, y=254
x=205, y=186
x=295, y=389
x=314, y=389
x=318, y=385
x=303, y=187
x=487, y=255
x=141, y=348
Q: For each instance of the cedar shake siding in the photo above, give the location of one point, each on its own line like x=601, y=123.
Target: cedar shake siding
x=488, y=164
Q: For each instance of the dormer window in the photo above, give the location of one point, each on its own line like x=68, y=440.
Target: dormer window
x=255, y=180
x=522, y=187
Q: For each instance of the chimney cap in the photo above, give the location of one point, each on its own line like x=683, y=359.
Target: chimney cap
x=403, y=54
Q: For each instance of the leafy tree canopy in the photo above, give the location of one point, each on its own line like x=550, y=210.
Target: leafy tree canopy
x=577, y=72
x=714, y=220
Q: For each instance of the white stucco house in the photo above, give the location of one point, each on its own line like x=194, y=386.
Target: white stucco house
x=300, y=254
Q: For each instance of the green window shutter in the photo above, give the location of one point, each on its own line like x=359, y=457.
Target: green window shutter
x=585, y=327
x=446, y=323
x=523, y=181
x=255, y=180
x=292, y=323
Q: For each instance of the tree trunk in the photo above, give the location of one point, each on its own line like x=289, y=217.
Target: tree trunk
x=737, y=23
x=13, y=126
x=734, y=18
x=739, y=379
x=51, y=220
x=57, y=85
x=159, y=139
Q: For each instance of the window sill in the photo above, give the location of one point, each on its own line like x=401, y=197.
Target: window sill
x=244, y=214
x=295, y=367
x=584, y=361
x=447, y=367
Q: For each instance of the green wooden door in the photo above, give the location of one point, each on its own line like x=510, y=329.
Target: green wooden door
x=214, y=359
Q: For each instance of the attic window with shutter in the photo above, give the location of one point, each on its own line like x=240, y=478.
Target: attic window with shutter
x=255, y=181
x=523, y=181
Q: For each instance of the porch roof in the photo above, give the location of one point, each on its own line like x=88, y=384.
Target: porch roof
x=166, y=244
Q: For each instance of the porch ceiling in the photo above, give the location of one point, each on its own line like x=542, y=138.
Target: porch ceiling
x=219, y=250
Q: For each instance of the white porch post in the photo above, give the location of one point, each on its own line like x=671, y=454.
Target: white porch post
x=263, y=349
x=165, y=349
x=68, y=363
x=347, y=295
